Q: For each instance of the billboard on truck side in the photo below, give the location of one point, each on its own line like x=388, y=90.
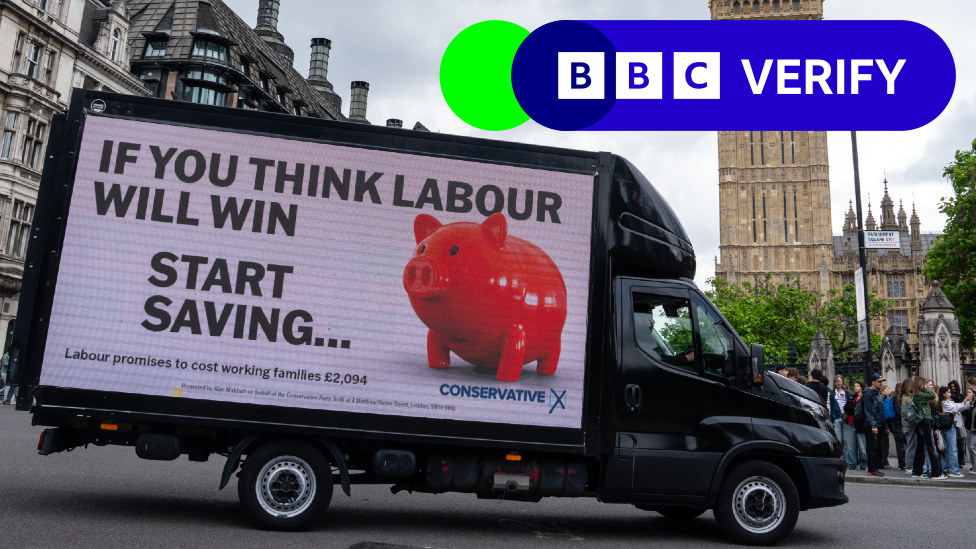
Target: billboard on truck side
x=246, y=268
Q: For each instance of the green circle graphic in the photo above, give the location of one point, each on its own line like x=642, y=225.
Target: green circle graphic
x=476, y=75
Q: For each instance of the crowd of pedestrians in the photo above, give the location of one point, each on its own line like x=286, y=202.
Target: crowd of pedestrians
x=932, y=427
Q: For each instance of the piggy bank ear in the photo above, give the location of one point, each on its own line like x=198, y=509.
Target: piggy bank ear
x=495, y=229
x=424, y=226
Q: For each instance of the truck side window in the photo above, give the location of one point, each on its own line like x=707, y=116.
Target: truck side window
x=662, y=329
x=717, y=348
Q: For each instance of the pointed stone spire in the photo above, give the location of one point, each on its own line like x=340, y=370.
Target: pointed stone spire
x=888, y=222
x=916, y=232
x=870, y=224
x=850, y=220
x=902, y=217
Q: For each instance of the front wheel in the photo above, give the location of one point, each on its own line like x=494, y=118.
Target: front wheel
x=285, y=485
x=757, y=504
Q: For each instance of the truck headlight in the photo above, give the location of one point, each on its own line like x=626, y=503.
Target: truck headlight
x=816, y=409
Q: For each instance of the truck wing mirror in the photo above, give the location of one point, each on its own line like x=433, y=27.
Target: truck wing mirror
x=757, y=366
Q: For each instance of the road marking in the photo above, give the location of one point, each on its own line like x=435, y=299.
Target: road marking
x=378, y=545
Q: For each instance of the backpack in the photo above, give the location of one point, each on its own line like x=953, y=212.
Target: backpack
x=889, y=409
x=913, y=416
x=859, y=413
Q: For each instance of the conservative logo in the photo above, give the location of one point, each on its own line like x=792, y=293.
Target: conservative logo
x=699, y=75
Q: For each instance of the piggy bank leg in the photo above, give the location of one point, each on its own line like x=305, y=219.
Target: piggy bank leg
x=438, y=353
x=513, y=355
x=548, y=362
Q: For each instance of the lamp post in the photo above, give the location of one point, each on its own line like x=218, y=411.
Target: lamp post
x=868, y=370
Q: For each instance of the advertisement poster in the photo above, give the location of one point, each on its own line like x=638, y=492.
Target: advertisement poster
x=240, y=268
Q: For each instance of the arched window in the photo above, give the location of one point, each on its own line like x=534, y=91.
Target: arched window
x=755, y=6
x=796, y=4
x=736, y=7
x=889, y=289
x=775, y=5
x=903, y=289
x=116, y=40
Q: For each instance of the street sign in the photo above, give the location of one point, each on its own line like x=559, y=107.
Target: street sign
x=882, y=240
x=861, y=301
x=863, y=338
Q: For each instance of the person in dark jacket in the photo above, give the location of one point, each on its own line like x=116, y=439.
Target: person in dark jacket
x=875, y=425
x=957, y=397
x=858, y=451
x=819, y=387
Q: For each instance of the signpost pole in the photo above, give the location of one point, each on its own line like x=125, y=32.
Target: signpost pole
x=861, y=253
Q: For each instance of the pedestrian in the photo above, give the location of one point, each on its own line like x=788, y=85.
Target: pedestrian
x=9, y=391
x=970, y=434
x=781, y=369
x=908, y=432
x=958, y=397
x=793, y=374
x=857, y=452
x=819, y=387
x=838, y=398
x=875, y=427
x=925, y=441
x=949, y=420
x=892, y=405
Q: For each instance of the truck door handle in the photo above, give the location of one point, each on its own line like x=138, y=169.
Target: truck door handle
x=632, y=397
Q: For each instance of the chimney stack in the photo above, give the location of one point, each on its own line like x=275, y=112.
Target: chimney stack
x=357, y=102
x=318, y=71
x=394, y=123
x=267, y=29
x=268, y=14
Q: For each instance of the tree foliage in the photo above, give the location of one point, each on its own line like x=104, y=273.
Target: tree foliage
x=952, y=258
x=776, y=314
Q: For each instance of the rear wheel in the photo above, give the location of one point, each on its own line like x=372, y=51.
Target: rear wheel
x=285, y=485
x=758, y=504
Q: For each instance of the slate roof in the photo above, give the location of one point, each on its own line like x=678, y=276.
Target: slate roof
x=936, y=299
x=846, y=242
x=190, y=15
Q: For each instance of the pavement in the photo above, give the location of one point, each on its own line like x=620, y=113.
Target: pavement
x=107, y=498
x=894, y=477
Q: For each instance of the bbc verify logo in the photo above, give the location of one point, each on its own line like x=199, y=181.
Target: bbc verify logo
x=698, y=75
x=639, y=75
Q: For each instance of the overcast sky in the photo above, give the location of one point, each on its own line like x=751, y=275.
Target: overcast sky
x=396, y=46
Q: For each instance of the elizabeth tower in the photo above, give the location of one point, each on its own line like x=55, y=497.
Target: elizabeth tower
x=774, y=186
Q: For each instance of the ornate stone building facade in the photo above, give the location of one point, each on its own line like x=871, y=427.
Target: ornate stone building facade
x=774, y=201
x=46, y=48
x=774, y=186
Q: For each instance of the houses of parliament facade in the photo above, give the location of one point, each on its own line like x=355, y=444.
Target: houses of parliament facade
x=774, y=200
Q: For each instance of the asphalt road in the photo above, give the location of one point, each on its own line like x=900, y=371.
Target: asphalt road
x=107, y=497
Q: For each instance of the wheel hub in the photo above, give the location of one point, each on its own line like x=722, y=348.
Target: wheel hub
x=759, y=505
x=286, y=486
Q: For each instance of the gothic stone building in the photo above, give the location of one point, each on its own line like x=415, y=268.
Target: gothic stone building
x=46, y=48
x=774, y=202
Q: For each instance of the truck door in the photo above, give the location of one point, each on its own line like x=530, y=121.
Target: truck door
x=676, y=398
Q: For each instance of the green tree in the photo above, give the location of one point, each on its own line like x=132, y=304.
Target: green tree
x=952, y=258
x=776, y=314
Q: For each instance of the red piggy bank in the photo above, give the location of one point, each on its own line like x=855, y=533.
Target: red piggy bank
x=495, y=300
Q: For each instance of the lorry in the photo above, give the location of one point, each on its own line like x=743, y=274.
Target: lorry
x=325, y=302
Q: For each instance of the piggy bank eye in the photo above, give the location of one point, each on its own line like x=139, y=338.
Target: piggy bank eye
x=454, y=250
x=422, y=248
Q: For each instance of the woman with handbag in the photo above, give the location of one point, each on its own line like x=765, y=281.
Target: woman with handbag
x=905, y=398
x=925, y=441
x=857, y=424
x=839, y=396
x=949, y=419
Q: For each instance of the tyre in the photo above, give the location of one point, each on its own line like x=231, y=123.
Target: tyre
x=757, y=504
x=680, y=513
x=285, y=485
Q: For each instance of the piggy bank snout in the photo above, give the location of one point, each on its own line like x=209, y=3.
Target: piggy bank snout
x=422, y=278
